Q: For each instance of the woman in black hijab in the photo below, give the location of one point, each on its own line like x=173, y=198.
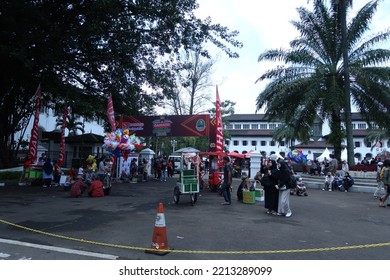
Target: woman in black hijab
x=284, y=185
x=271, y=194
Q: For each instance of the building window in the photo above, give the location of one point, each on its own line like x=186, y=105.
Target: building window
x=263, y=126
x=263, y=143
x=227, y=142
x=237, y=126
x=357, y=144
x=272, y=125
x=272, y=143
x=368, y=144
x=281, y=143
x=245, y=143
x=245, y=126
x=254, y=143
x=229, y=126
x=235, y=143
x=255, y=126
x=362, y=126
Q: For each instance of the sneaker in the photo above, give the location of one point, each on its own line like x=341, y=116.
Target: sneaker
x=225, y=203
x=330, y=190
x=345, y=191
x=274, y=212
x=268, y=212
x=323, y=189
x=288, y=214
x=44, y=186
x=279, y=214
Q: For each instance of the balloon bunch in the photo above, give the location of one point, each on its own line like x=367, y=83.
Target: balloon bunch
x=120, y=142
x=297, y=156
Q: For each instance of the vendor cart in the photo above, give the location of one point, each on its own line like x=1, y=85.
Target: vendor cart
x=188, y=182
x=32, y=175
x=215, y=170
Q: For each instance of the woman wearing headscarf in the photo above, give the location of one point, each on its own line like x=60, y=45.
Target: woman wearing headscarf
x=271, y=194
x=47, y=173
x=284, y=185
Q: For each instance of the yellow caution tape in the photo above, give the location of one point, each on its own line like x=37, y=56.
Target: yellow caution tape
x=364, y=246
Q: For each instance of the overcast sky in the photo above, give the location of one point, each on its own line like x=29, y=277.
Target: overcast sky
x=262, y=25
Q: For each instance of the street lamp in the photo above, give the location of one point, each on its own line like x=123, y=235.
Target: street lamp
x=173, y=143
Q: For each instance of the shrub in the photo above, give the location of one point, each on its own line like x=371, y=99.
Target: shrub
x=362, y=167
x=10, y=175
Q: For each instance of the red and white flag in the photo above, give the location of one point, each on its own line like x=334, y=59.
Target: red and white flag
x=61, y=156
x=33, y=146
x=219, y=140
x=110, y=113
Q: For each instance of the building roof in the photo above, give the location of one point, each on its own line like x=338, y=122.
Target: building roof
x=85, y=138
x=315, y=145
x=246, y=117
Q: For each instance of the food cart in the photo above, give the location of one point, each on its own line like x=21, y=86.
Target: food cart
x=188, y=182
x=32, y=174
x=215, y=170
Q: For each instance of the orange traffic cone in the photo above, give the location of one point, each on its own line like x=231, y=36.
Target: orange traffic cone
x=159, y=240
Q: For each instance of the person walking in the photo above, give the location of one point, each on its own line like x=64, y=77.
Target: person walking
x=386, y=182
x=284, y=185
x=227, y=181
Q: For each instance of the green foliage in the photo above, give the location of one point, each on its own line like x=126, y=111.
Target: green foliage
x=310, y=81
x=81, y=51
x=10, y=175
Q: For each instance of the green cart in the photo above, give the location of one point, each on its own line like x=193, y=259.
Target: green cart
x=188, y=182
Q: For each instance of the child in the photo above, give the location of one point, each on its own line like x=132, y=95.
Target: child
x=328, y=182
x=337, y=182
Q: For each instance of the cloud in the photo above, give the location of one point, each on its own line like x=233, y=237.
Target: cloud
x=262, y=25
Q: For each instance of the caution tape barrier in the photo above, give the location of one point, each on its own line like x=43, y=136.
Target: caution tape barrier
x=254, y=252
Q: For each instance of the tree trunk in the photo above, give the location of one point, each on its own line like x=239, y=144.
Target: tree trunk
x=347, y=94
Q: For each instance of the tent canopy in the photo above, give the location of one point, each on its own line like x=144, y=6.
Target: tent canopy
x=325, y=154
x=187, y=150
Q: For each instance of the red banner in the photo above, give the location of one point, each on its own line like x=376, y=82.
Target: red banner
x=61, y=156
x=219, y=140
x=33, y=147
x=110, y=113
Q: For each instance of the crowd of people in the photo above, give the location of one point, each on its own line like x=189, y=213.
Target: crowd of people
x=275, y=177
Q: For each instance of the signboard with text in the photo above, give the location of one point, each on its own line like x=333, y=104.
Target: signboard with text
x=175, y=125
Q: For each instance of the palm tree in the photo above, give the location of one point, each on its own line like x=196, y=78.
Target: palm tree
x=312, y=79
x=72, y=124
x=290, y=132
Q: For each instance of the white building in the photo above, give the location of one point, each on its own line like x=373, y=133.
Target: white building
x=254, y=132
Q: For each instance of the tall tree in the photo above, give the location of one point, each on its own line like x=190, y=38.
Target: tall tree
x=190, y=96
x=311, y=81
x=83, y=50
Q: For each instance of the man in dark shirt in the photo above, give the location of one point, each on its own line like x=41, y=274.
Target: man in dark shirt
x=227, y=181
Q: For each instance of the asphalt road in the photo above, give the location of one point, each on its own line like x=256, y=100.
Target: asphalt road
x=47, y=224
